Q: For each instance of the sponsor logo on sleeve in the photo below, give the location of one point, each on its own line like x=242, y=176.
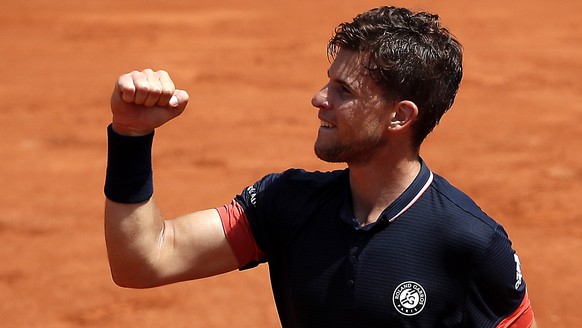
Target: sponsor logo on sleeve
x=518, y=274
x=253, y=195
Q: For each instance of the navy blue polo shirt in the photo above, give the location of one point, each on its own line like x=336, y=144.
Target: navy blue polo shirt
x=433, y=258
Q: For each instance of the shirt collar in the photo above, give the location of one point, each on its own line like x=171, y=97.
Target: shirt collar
x=399, y=206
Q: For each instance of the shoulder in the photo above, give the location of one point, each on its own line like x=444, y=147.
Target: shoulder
x=461, y=222
x=476, y=242
x=291, y=185
x=302, y=179
x=476, y=237
x=313, y=178
x=279, y=204
x=458, y=206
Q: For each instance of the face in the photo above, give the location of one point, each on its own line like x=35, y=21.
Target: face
x=352, y=112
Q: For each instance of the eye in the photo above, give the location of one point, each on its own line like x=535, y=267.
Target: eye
x=345, y=89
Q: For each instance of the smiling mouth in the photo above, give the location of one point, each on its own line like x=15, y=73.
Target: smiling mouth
x=325, y=125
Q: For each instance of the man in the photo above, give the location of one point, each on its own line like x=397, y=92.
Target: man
x=383, y=243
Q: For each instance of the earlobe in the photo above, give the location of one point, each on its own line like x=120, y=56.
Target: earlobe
x=405, y=112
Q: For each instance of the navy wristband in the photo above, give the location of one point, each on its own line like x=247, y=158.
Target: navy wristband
x=129, y=177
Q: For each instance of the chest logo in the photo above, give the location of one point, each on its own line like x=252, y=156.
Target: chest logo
x=409, y=298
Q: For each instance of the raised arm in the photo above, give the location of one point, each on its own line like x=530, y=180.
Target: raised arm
x=144, y=248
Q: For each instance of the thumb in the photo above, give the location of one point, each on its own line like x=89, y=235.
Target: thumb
x=179, y=99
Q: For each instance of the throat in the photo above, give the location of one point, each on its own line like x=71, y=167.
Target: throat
x=366, y=218
x=373, y=193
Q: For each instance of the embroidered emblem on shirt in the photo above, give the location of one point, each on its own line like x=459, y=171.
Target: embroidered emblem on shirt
x=409, y=298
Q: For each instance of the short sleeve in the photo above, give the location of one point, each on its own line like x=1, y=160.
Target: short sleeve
x=238, y=234
x=259, y=203
x=497, y=289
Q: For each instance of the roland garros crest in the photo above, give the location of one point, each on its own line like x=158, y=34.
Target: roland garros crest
x=409, y=298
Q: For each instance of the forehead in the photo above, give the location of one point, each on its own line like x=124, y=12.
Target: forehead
x=348, y=68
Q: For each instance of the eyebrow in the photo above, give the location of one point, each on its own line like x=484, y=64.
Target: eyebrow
x=342, y=82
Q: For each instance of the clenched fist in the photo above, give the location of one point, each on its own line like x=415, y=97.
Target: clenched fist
x=143, y=101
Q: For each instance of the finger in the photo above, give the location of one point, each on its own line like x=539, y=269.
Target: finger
x=155, y=88
x=125, y=88
x=142, y=87
x=179, y=99
x=168, y=88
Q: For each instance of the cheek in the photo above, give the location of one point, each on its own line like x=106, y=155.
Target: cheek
x=374, y=124
x=357, y=117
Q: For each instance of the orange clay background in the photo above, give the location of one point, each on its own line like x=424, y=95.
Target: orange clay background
x=512, y=141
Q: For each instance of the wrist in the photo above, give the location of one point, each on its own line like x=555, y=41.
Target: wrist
x=128, y=131
x=129, y=175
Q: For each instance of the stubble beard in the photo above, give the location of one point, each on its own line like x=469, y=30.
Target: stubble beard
x=351, y=153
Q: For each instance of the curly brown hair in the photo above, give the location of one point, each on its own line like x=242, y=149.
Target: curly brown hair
x=411, y=56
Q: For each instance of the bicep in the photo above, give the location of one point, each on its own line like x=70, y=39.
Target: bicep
x=194, y=246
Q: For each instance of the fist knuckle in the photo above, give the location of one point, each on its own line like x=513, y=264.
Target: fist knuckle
x=142, y=85
x=155, y=90
x=167, y=93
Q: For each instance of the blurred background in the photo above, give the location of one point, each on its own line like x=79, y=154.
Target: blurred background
x=512, y=141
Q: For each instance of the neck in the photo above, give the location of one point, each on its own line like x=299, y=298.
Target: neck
x=376, y=184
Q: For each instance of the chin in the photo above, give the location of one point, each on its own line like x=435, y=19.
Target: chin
x=329, y=155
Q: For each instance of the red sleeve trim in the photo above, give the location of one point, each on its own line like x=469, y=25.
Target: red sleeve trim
x=522, y=317
x=238, y=233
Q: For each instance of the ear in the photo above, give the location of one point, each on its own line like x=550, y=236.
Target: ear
x=405, y=112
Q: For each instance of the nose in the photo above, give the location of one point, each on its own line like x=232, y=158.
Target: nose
x=320, y=100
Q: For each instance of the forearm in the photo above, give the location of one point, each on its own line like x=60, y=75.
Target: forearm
x=134, y=235
x=144, y=249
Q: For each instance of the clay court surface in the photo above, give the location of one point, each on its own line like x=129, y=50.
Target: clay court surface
x=512, y=141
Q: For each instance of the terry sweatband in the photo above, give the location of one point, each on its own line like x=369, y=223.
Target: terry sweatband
x=129, y=177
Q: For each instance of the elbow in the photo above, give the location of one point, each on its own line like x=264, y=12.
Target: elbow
x=132, y=281
x=135, y=278
x=124, y=281
x=131, y=271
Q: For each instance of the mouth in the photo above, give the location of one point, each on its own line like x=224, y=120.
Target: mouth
x=326, y=125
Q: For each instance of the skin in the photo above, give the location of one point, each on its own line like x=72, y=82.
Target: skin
x=351, y=113
x=144, y=248
x=358, y=127
x=368, y=133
